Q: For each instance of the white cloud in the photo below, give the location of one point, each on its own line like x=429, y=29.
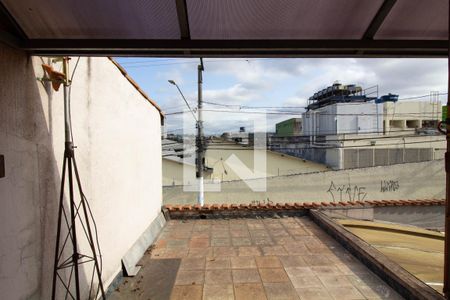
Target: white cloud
x=254, y=79
x=236, y=94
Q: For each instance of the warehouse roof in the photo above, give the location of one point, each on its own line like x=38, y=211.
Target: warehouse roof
x=228, y=28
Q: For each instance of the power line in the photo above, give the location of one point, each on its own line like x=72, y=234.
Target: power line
x=294, y=107
x=143, y=65
x=423, y=96
x=373, y=138
x=373, y=131
x=173, y=130
x=157, y=60
x=414, y=114
x=222, y=104
x=331, y=147
x=185, y=101
x=408, y=98
x=172, y=107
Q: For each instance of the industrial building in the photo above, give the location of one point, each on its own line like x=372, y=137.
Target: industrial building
x=344, y=128
x=239, y=137
x=290, y=127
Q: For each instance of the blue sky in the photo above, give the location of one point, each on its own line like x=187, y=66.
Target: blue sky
x=260, y=82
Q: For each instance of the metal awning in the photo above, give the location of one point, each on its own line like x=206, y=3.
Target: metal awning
x=226, y=28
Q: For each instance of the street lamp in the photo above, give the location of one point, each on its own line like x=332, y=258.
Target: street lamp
x=181, y=93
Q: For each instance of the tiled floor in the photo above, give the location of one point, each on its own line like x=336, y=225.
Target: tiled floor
x=285, y=258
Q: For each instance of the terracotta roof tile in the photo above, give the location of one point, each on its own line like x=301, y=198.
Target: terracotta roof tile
x=301, y=205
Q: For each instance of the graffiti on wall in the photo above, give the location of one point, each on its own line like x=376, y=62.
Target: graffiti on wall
x=346, y=192
x=389, y=186
x=257, y=202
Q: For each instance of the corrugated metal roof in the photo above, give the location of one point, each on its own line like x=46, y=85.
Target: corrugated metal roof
x=229, y=27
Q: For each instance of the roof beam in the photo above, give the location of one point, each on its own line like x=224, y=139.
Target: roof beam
x=183, y=20
x=378, y=20
x=12, y=34
x=240, y=48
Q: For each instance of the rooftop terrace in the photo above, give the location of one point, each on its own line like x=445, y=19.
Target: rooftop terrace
x=250, y=258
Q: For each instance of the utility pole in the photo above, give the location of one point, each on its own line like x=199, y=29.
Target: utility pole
x=200, y=139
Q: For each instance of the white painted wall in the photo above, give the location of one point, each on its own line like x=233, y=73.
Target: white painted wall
x=343, y=118
x=400, y=112
x=117, y=132
x=359, y=118
x=425, y=180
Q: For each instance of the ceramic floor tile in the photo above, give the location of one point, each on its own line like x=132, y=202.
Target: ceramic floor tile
x=273, y=250
x=334, y=280
x=273, y=275
x=220, y=263
x=305, y=281
x=243, y=262
x=314, y=293
x=292, y=261
x=249, y=251
x=218, y=292
x=190, y=263
x=187, y=292
x=190, y=277
x=345, y=292
x=199, y=243
x=249, y=291
x=246, y=276
x=224, y=251
x=252, y=259
x=218, y=277
x=280, y=291
x=268, y=262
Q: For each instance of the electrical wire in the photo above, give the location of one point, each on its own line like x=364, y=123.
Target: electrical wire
x=327, y=147
x=185, y=101
x=292, y=113
x=70, y=92
x=156, y=60
x=147, y=65
x=172, y=130
x=377, y=138
x=373, y=131
x=220, y=146
x=304, y=107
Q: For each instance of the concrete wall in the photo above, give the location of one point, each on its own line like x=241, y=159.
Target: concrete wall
x=173, y=171
x=408, y=115
x=224, y=170
x=364, y=150
x=425, y=180
x=427, y=217
x=117, y=132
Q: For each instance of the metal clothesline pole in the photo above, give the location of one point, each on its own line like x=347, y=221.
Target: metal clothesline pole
x=76, y=258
